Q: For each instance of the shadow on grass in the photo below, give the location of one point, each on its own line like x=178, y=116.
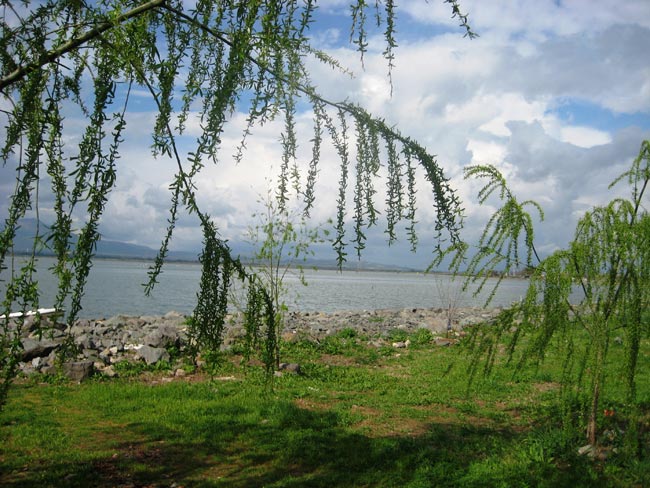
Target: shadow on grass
x=292, y=447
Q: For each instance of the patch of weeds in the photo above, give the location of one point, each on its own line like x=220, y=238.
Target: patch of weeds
x=347, y=333
x=317, y=371
x=385, y=351
x=213, y=362
x=370, y=356
x=239, y=347
x=57, y=378
x=174, y=352
x=160, y=366
x=188, y=367
x=347, y=417
x=467, y=407
x=421, y=337
x=128, y=369
x=299, y=351
x=337, y=345
x=397, y=335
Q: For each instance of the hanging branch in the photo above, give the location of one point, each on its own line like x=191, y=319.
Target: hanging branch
x=225, y=55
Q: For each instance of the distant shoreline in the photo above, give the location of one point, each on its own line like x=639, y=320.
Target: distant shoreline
x=325, y=267
x=319, y=265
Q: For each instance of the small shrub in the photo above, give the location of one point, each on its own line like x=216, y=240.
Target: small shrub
x=128, y=369
x=347, y=333
x=397, y=335
x=421, y=337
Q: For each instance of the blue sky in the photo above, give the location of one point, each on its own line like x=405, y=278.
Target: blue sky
x=555, y=94
x=585, y=113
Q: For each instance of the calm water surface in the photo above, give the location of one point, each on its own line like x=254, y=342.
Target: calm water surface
x=115, y=287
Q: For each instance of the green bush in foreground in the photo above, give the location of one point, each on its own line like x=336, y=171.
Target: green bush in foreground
x=582, y=301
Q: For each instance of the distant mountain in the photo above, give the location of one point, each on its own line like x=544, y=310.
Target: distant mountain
x=117, y=249
x=354, y=265
x=23, y=243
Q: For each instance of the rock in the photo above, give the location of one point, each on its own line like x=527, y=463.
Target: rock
x=119, y=338
x=173, y=315
x=604, y=453
x=290, y=336
x=50, y=360
x=116, y=321
x=109, y=371
x=83, y=323
x=26, y=369
x=290, y=368
x=78, y=370
x=179, y=373
x=84, y=341
x=30, y=324
x=49, y=369
x=164, y=336
x=588, y=450
x=100, y=331
x=152, y=355
x=105, y=355
x=174, y=318
x=33, y=348
x=77, y=331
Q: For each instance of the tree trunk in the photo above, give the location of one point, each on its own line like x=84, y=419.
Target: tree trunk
x=592, y=425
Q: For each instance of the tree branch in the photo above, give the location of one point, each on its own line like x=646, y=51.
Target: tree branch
x=50, y=56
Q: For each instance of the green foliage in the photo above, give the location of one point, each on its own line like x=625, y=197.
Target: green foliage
x=134, y=369
x=397, y=335
x=421, y=337
x=282, y=242
x=500, y=243
x=68, y=60
x=579, y=299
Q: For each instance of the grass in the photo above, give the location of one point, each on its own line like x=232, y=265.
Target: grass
x=357, y=416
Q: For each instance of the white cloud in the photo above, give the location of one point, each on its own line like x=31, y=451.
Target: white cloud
x=489, y=100
x=584, y=136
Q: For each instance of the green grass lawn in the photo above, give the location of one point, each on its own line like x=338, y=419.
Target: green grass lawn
x=357, y=416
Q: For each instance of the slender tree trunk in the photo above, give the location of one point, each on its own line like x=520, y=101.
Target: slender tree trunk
x=592, y=425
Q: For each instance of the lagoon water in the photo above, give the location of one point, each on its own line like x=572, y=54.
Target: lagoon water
x=115, y=287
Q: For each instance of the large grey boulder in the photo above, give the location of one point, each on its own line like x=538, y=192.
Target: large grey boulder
x=164, y=336
x=152, y=355
x=78, y=370
x=34, y=348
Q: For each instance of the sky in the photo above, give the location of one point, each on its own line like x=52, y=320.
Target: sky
x=555, y=94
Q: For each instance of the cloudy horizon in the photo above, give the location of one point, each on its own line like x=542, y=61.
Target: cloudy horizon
x=555, y=94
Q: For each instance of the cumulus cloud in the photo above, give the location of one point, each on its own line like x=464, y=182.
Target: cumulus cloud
x=490, y=100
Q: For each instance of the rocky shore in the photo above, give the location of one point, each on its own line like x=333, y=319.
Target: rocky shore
x=102, y=343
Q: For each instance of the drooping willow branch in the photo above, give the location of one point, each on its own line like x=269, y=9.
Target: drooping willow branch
x=579, y=299
x=447, y=205
x=218, y=270
x=75, y=43
x=66, y=55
